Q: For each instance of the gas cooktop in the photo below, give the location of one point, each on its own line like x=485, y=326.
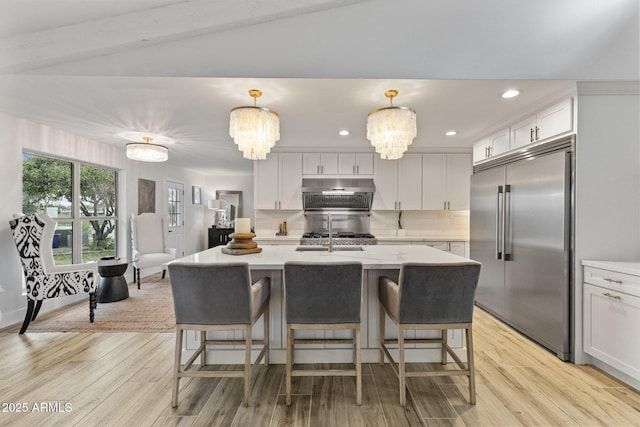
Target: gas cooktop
x=339, y=238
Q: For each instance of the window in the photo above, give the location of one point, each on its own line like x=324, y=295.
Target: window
x=173, y=204
x=82, y=198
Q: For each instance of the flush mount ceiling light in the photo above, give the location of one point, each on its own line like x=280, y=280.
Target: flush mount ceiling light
x=146, y=151
x=511, y=93
x=254, y=129
x=451, y=133
x=391, y=129
x=344, y=132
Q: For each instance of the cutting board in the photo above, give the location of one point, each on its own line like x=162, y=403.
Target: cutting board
x=230, y=251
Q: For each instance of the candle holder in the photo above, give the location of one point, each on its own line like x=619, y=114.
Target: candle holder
x=241, y=244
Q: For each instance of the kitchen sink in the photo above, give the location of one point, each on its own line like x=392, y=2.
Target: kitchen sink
x=326, y=249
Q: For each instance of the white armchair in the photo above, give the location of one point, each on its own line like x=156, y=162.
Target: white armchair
x=33, y=235
x=149, y=249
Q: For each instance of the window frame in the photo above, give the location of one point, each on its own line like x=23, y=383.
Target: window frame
x=77, y=218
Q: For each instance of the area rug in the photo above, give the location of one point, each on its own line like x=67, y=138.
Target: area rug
x=148, y=309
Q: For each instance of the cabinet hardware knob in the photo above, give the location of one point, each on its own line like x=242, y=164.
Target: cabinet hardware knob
x=619, y=282
x=608, y=295
x=537, y=129
x=531, y=135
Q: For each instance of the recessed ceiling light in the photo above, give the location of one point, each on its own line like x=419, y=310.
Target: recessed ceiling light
x=451, y=133
x=344, y=132
x=511, y=93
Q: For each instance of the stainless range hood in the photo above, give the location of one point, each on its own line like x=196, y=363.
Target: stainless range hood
x=337, y=194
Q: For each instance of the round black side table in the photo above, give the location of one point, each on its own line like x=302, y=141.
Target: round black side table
x=113, y=286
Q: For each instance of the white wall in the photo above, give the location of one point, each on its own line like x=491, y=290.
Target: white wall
x=607, y=225
x=17, y=135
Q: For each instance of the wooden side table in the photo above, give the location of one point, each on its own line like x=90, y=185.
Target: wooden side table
x=113, y=286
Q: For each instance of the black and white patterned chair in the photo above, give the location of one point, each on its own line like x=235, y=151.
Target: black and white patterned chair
x=33, y=235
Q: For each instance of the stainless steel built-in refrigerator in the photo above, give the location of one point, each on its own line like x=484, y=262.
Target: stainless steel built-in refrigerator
x=521, y=232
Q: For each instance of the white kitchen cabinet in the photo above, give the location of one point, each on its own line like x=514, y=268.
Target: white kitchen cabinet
x=320, y=163
x=278, y=181
x=492, y=145
x=548, y=123
x=385, y=177
x=355, y=163
x=398, y=183
x=445, y=181
x=611, y=312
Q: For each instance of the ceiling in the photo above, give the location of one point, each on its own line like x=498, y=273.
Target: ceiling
x=97, y=68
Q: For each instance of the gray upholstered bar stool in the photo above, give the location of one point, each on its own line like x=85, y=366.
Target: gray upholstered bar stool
x=323, y=296
x=430, y=297
x=218, y=297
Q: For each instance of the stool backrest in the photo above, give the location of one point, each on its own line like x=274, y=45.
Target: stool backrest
x=438, y=293
x=323, y=292
x=211, y=294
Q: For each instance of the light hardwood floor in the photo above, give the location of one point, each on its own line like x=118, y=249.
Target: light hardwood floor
x=124, y=379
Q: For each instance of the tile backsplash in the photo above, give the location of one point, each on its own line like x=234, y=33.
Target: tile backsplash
x=452, y=224
x=421, y=223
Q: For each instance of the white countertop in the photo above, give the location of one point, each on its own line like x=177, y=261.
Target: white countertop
x=372, y=257
x=440, y=238
x=619, y=266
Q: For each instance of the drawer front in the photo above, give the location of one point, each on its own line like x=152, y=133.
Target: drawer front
x=613, y=280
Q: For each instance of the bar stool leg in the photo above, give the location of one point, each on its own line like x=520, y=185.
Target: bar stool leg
x=401, y=367
x=247, y=365
x=176, y=366
x=203, y=355
x=471, y=366
x=265, y=319
x=358, y=363
x=289, y=364
x=381, y=333
x=444, y=337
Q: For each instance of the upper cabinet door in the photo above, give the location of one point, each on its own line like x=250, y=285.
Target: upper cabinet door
x=266, y=182
x=364, y=163
x=459, y=171
x=385, y=178
x=311, y=164
x=555, y=120
x=500, y=142
x=347, y=163
x=434, y=181
x=410, y=182
x=329, y=163
x=523, y=132
x=290, y=185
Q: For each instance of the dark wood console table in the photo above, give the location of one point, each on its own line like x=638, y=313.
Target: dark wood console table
x=219, y=236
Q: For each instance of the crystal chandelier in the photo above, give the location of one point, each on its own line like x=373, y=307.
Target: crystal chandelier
x=254, y=129
x=391, y=129
x=146, y=151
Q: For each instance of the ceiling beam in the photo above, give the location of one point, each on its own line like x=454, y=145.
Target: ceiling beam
x=26, y=52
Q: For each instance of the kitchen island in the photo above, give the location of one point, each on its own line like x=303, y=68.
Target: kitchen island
x=376, y=260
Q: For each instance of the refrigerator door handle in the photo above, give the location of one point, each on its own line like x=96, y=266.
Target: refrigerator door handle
x=499, y=219
x=506, y=248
